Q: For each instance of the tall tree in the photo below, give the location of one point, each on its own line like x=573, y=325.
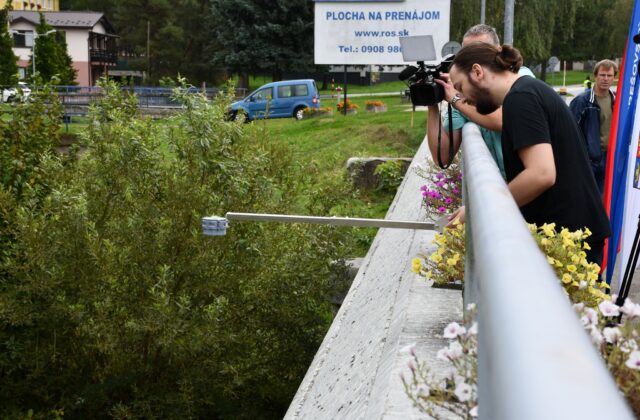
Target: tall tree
x=8, y=60
x=174, y=32
x=270, y=37
x=104, y=6
x=51, y=56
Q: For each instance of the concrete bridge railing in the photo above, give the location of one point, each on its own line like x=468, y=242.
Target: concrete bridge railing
x=356, y=371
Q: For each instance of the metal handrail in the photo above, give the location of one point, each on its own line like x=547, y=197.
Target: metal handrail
x=535, y=361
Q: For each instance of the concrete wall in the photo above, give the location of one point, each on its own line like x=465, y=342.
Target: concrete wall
x=356, y=371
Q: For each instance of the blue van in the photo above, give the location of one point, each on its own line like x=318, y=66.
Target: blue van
x=287, y=98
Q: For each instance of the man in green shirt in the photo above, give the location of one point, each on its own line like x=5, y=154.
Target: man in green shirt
x=592, y=110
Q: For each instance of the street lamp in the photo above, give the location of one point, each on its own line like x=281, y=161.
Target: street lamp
x=36, y=35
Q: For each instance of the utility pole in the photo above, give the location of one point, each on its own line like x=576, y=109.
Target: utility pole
x=148, y=50
x=483, y=10
x=508, y=21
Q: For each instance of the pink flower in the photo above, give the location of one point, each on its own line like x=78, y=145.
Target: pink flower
x=425, y=193
x=633, y=361
x=589, y=317
x=609, y=308
x=442, y=209
x=630, y=309
x=424, y=188
x=456, y=190
x=448, y=200
x=453, y=330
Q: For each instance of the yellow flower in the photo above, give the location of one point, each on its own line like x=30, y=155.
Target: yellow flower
x=452, y=261
x=559, y=264
x=568, y=242
x=586, y=246
x=604, y=285
x=416, y=265
x=565, y=233
x=429, y=274
x=549, y=229
x=551, y=260
x=575, y=259
x=436, y=258
x=591, y=276
x=587, y=232
x=566, y=278
x=544, y=242
x=571, y=268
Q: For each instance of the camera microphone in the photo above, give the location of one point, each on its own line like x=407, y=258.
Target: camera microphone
x=636, y=38
x=407, y=72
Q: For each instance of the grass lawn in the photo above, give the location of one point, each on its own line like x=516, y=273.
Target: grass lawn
x=327, y=143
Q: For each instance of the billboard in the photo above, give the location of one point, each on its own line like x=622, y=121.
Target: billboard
x=367, y=32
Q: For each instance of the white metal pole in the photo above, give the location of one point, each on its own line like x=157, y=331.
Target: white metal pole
x=335, y=221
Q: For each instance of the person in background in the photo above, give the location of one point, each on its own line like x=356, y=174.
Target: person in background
x=546, y=164
x=593, y=109
x=587, y=83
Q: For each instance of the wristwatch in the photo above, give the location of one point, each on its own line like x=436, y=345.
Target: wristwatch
x=455, y=99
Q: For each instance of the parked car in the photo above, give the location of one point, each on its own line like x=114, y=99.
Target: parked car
x=11, y=94
x=283, y=99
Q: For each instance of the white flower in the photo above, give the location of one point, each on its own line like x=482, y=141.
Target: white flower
x=578, y=307
x=423, y=391
x=471, y=307
x=589, y=317
x=409, y=349
x=628, y=346
x=583, y=285
x=633, y=361
x=474, y=329
x=630, y=309
x=609, y=308
x=612, y=334
x=474, y=411
x=463, y=392
x=596, y=335
x=453, y=330
x=453, y=352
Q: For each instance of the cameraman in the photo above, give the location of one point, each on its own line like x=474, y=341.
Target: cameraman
x=490, y=125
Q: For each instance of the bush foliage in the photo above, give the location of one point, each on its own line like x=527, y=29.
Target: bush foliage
x=113, y=304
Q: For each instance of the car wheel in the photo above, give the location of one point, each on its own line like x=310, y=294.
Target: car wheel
x=298, y=113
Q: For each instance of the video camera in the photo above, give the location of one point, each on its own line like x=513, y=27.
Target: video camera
x=423, y=89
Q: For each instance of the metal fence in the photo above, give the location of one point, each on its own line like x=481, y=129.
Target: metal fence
x=535, y=361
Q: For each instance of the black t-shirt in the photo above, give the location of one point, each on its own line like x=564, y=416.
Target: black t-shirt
x=533, y=113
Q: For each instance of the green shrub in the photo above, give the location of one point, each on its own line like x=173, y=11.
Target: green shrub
x=390, y=174
x=113, y=304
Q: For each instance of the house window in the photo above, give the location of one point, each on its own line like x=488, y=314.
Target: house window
x=23, y=39
x=22, y=73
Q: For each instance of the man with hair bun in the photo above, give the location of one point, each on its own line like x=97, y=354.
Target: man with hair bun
x=490, y=125
x=546, y=164
x=593, y=110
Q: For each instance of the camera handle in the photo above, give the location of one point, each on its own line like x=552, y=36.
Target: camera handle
x=451, y=154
